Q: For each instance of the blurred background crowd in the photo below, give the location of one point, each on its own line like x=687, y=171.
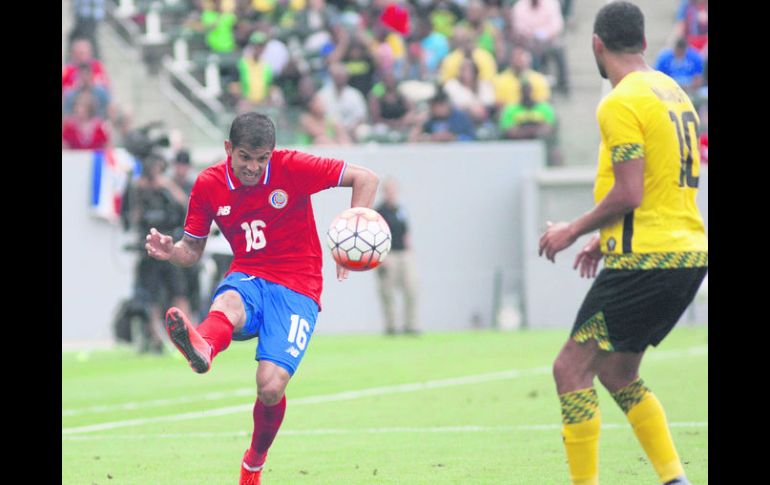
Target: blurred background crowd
x=354, y=71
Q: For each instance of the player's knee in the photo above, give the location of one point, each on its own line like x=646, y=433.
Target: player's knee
x=229, y=302
x=561, y=369
x=229, y=298
x=270, y=394
x=571, y=373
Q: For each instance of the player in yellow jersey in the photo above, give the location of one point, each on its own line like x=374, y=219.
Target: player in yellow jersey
x=653, y=242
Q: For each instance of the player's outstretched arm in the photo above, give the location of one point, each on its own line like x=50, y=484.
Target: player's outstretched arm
x=186, y=252
x=364, y=183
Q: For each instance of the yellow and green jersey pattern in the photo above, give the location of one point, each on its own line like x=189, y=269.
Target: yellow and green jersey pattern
x=647, y=115
x=672, y=260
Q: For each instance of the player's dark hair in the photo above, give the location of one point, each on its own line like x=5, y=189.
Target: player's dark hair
x=252, y=130
x=620, y=25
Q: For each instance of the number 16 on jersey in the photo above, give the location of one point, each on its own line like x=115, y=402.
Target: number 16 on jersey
x=298, y=331
x=255, y=237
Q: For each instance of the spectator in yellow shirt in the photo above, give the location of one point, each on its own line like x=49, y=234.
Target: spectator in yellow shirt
x=255, y=87
x=465, y=46
x=519, y=71
x=487, y=35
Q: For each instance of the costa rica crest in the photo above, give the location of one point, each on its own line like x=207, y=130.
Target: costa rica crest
x=278, y=198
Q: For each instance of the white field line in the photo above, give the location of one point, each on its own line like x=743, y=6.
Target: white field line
x=130, y=406
x=341, y=396
x=348, y=395
x=341, y=431
x=251, y=392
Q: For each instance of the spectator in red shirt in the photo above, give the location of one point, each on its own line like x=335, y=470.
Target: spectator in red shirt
x=83, y=130
x=692, y=22
x=82, y=52
x=85, y=83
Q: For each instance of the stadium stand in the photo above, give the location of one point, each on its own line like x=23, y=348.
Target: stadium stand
x=411, y=38
x=227, y=56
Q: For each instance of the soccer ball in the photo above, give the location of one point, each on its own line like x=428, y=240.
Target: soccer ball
x=359, y=239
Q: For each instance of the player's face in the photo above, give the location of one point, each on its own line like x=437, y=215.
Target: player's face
x=248, y=164
x=598, y=48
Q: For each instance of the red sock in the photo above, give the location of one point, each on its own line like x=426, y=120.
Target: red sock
x=267, y=420
x=217, y=330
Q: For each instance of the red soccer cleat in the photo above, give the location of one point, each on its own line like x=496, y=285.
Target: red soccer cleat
x=249, y=475
x=184, y=336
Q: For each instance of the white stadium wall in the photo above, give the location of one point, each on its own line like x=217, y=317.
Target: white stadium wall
x=96, y=273
x=476, y=212
x=554, y=290
x=465, y=212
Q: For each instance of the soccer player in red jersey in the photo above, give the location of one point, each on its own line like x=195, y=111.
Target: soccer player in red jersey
x=260, y=199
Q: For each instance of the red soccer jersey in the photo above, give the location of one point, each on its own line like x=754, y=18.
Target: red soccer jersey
x=270, y=226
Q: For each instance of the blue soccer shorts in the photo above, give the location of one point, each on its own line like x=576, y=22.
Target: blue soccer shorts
x=281, y=318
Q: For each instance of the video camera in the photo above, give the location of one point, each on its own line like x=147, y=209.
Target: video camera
x=158, y=210
x=142, y=141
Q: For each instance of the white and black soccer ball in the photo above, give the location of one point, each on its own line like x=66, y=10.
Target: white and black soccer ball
x=359, y=238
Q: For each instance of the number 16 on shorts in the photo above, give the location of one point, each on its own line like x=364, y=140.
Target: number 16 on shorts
x=297, y=335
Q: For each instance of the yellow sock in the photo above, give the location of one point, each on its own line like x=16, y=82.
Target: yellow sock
x=647, y=417
x=581, y=422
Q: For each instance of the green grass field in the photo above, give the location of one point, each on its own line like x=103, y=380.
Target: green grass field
x=352, y=418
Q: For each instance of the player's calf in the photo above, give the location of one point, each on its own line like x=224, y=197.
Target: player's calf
x=648, y=419
x=267, y=421
x=581, y=423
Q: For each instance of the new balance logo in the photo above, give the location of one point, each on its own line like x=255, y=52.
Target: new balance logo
x=223, y=210
x=293, y=351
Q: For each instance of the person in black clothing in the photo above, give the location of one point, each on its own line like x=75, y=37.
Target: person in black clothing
x=183, y=179
x=397, y=270
x=155, y=200
x=387, y=105
x=181, y=174
x=360, y=66
x=391, y=112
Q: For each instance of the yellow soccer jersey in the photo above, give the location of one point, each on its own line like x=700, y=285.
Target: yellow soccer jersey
x=648, y=115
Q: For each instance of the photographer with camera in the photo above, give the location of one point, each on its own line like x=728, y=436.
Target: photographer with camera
x=184, y=179
x=155, y=200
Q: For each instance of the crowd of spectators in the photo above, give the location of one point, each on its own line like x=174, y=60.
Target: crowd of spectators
x=389, y=70
x=86, y=100
x=91, y=120
x=351, y=71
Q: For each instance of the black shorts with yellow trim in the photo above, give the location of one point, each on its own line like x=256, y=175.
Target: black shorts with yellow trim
x=628, y=310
